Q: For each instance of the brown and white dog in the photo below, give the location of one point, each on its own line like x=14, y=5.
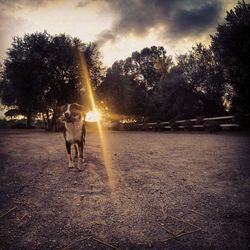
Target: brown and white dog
x=74, y=131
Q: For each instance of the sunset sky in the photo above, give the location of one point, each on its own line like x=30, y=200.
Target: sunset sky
x=118, y=26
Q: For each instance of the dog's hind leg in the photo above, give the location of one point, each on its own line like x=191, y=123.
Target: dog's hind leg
x=80, y=155
x=68, y=147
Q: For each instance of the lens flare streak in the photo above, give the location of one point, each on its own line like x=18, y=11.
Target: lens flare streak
x=84, y=73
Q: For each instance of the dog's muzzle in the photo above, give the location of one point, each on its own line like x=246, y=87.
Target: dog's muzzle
x=71, y=118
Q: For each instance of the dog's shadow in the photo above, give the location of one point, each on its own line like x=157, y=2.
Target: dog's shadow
x=91, y=163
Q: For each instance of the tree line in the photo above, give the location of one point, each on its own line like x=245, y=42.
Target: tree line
x=41, y=72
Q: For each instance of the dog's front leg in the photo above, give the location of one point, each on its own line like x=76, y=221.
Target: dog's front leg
x=68, y=147
x=80, y=156
x=76, y=152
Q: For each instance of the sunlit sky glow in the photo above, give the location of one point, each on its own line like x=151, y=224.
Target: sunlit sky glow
x=119, y=26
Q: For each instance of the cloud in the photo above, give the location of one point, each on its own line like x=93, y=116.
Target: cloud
x=196, y=20
x=107, y=36
x=23, y=3
x=174, y=18
x=81, y=4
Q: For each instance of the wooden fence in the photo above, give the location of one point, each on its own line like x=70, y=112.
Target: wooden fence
x=210, y=124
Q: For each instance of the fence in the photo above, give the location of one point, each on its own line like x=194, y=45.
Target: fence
x=210, y=124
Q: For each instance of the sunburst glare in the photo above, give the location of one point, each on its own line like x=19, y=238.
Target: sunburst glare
x=95, y=115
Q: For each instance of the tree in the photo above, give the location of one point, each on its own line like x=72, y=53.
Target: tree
x=173, y=99
x=43, y=71
x=116, y=91
x=142, y=68
x=129, y=83
x=21, y=86
x=203, y=75
x=231, y=47
x=13, y=113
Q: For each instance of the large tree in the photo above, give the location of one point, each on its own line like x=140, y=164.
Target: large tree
x=173, y=99
x=143, y=67
x=203, y=75
x=22, y=82
x=117, y=91
x=129, y=83
x=231, y=45
x=43, y=71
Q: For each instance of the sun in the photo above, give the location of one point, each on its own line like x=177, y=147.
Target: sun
x=93, y=116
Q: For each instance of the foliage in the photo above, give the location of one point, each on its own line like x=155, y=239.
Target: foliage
x=206, y=81
x=203, y=75
x=13, y=113
x=231, y=46
x=116, y=90
x=42, y=71
x=172, y=99
x=149, y=84
x=129, y=83
x=147, y=67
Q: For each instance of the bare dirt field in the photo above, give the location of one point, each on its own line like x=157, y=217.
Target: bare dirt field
x=163, y=191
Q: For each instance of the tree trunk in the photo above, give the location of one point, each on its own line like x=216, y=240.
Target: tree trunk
x=53, y=122
x=48, y=120
x=45, y=122
x=29, y=120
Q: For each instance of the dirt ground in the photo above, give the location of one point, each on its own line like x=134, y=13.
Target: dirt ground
x=162, y=191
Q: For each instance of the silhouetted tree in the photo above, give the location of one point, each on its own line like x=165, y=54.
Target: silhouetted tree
x=173, y=99
x=13, y=113
x=22, y=82
x=203, y=75
x=42, y=72
x=117, y=90
x=142, y=68
x=134, y=79
x=231, y=46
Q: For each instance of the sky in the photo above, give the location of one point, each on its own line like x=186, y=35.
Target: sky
x=119, y=27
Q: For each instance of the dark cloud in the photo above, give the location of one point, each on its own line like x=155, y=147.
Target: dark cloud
x=196, y=20
x=107, y=36
x=176, y=18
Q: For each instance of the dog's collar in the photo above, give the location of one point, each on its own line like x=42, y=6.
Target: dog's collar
x=73, y=121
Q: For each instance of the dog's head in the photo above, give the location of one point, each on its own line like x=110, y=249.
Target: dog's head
x=72, y=112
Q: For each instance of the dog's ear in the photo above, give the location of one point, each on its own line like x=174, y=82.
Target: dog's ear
x=81, y=108
x=61, y=108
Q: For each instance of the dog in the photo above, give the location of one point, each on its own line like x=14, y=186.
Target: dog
x=73, y=117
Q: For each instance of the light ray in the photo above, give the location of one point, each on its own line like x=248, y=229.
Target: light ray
x=84, y=73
